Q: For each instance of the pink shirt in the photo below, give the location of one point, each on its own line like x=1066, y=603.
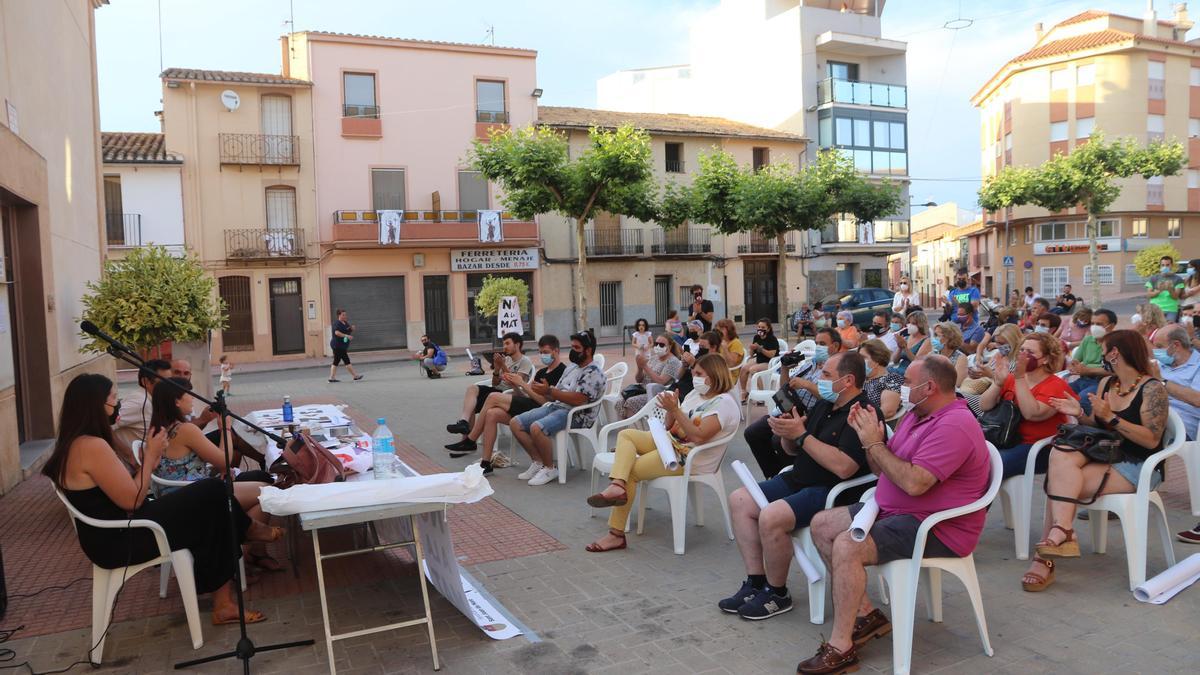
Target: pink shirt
x=948, y=444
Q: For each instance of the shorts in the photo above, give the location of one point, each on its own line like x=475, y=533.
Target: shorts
x=1130, y=471
x=551, y=419
x=341, y=356
x=521, y=405
x=484, y=392
x=896, y=536
x=805, y=502
x=428, y=364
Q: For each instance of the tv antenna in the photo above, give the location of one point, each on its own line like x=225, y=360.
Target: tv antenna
x=490, y=34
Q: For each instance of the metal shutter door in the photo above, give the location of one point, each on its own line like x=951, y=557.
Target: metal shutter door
x=376, y=307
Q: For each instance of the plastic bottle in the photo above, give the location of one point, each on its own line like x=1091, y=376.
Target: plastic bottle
x=383, y=451
x=287, y=410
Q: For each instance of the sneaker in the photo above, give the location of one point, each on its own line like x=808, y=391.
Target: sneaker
x=487, y=468
x=1191, y=536
x=459, y=427
x=734, y=602
x=544, y=475
x=463, y=447
x=358, y=377
x=501, y=460
x=333, y=380
x=531, y=471
x=765, y=604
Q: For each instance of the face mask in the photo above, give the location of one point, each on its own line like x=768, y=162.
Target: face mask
x=1041, y=329
x=1190, y=272
x=1164, y=269
x=761, y=332
x=819, y=323
x=905, y=392
x=576, y=357
x=906, y=395
x=547, y=359
x=936, y=343
x=877, y=329
x=1135, y=319
x=821, y=355
x=842, y=323
x=1097, y=331
x=904, y=287
x=1004, y=350
x=1164, y=357
x=112, y=418
x=825, y=390
x=913, y=329
x=960, y=319
x=701, y=352
x=1081, y=324
x=961, y=284
x=699, y=385
x=659, y=350
x=896, y=328
x=1031, y=363
x=1106, y=366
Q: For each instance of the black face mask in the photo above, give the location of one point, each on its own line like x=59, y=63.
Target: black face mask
x=878, y=330
x=961, y=284
x=576, y=357
x=702, y=352
x=112, y=418
x=1106, y=365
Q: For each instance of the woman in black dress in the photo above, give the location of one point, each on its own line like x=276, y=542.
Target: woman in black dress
x=87, y=470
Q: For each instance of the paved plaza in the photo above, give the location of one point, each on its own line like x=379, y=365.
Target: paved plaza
x=644, y=609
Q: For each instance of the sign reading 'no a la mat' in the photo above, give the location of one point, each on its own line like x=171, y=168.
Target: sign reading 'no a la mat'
x=508, y=319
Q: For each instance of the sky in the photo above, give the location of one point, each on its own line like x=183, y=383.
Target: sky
x=578, y=42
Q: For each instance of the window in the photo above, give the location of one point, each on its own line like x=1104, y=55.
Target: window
x=761, y=158
x=358, y=95
x=1012, y=236
x=489, y=102
x=1085, y=75
x=1174, y=230
x=114, y=216
x=1107, y=227
x=1027, y=279
x=674, y=152
x=1084, y=127
x=1028, y=234
x=1138, y=227
x=1106, y=275
x=281, y=208
x=843, y=71
x=825, y=132
x=1155, y=125
x=1132, y=278
x=1052, y=231
x=876, y=141
x=1008, y=141
x=1193, y=127
x=1059, y=79
x=1194, y=77
x=1154, y=190
x=897, y=135
x=1156, y=70
x=472, y=191
x=238, y=334
x=1193, y=177
x=1058, y=131
x=1053, y=279
x=387, y=189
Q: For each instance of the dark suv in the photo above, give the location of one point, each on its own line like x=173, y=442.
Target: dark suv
x=862, y=302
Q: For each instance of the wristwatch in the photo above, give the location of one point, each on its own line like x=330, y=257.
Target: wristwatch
x=1113, y=422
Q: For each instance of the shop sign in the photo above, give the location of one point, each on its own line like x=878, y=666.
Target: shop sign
x=493, y=259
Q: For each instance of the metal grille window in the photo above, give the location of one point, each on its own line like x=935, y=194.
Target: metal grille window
x=611, y=309
x=1132, y=278
x=662, y=299
x=239, y=333
x=1053, y=279
x=1106, y=275
x=387, y=189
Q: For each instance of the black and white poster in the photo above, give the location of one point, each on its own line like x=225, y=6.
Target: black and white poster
x=491, y=227
x=389, y=226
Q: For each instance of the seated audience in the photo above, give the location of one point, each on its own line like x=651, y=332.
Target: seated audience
x=827, y=451
x=1065, y=303
x=764, y=346
x=1147, y=320
x=708, y=343
x=708, y=413
x=880, y=320
x=660, y=368
x=946, y=340
x=694, y=330
x=1076, y=330
x=909, y=345
x=846, y=328
x=1031, y=386
x=1178, y=366
x=1036, y=309
x=994, y=365
x=535, y=430
x=732, y=349
x=674, y=327
x=1088, y=364
x=86, y=468
x=509, y=360
x=937, y=460
x=133, y=419
x=972, y=332
x=1048, y=323
x=803, y=324
x=427, y=356
x=1131, y=403
x=882, y=386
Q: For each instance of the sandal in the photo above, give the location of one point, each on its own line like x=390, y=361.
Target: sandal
x=276, y=534
x=1068, y=548
x=252, y=616
x=264, y=562
x=1035, y=583
x=595, y=547
x=599, y=501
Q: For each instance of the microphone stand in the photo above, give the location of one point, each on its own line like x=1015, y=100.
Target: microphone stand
x=245, y=648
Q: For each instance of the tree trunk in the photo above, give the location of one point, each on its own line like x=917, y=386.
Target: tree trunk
x=781, y=293
x=581, y=251
x=1094, y=259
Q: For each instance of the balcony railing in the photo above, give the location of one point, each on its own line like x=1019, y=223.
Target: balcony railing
x=491, y=116
x=123, y=229
x=355, y=110
x=264, y=244
x=980, y=259
x=753, y=243
x=613, y=242
x=681, y=241
x=261, y=149
x=423, y=227
x=878, y=94
x=675, y=166
x=883, y=231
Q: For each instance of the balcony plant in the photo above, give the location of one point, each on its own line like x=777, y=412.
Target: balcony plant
x=150, y=297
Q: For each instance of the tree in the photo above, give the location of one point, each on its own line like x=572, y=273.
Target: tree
x=1086, y=178
x=1146, y=261
x=537, y=175
x=487, y=301
x=151, y=297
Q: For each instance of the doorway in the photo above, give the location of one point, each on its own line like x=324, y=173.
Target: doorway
x=662, y=298
x=760, y=278
x=24, y=343
x=611, y=308
x=287, y=317
x=437, y=308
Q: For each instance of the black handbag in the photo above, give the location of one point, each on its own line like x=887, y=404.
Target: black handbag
x=1101, y=446
x=1000, y=425
x=632, y=390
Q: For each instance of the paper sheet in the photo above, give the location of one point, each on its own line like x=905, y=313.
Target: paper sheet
x=1165, y=586
x=466, y=487
x=756, y=493
x=861, y=525
x=662, y=440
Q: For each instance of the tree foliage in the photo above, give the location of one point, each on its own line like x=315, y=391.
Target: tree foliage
x=487, y=301
x=1146, y=261
x=150, y=297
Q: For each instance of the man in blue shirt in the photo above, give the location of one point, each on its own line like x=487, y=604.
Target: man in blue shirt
x=962, y=292
x=972, y=331
x=1180, y=370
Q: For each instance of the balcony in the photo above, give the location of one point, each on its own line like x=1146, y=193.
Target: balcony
x=681, y=241
x=675, y=166
x=259, y=149
x=123, y=229
x=487, y=120
x=845, y=236
x=361, y=121
x=981, y=260
x=875, y=94
x=264, y=244
x=613, y=242
x=360, y=229
x=749, y=242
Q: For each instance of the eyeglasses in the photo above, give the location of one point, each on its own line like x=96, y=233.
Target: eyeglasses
x=662, y=344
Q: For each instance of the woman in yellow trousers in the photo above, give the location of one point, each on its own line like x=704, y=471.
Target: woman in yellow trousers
x=709, y=411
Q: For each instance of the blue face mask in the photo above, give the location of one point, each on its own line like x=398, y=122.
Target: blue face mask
x=825, y=390
x=937, y=344
x=896, y=327
x=1042, y=329
x=547, y=359
x=1004, y=350
x=822, y=354
x=1163, y=357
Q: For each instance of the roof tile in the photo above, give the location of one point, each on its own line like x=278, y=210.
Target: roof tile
x=230, y=76
x=684, y=125
x=135, y=147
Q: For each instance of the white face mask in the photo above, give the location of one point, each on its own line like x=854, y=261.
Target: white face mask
x=699, y=385
x=659, y=350
x=904, y=287
x=904, y=392
x=1136, y=319
x=913, y=329
x=1097, y=331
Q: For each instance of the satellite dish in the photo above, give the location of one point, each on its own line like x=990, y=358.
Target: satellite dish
x=230, y=100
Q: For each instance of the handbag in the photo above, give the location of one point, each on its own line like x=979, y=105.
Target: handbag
x=632, y=390
x=1000, y=425
x=306, y=462
x=1101, y=446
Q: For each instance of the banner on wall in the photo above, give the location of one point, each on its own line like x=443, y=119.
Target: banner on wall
x=389, y=226
x=491, y=227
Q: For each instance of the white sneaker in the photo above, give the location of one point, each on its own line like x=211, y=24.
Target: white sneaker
x=544, y=475
x=531, y=471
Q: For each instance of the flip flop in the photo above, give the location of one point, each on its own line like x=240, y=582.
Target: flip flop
x=252, y=616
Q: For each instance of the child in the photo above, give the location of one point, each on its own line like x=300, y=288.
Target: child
x=675, y=327
x=642, y=337
x=226, y=374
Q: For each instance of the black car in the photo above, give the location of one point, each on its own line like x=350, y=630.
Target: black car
x=862, y=302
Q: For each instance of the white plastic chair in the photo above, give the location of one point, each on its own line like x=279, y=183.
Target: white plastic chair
x=602, y=461
x=1190, y=452
x=1133, y=509
x=903, y=577
x=816, y=590
x=807, y=347
x=612, y=392
x=1016, y=499
x=597, y=358
x=106, y=583
x=566, y=442
x=762, y=385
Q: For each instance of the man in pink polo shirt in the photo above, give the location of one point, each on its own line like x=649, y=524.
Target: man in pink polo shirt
x=936, y=460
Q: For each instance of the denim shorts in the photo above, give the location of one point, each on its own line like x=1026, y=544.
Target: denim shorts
x=805, y=502
x=551, y=419
x=1130, y=470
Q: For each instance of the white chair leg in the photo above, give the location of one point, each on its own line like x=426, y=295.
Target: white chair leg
x=697, y=504
x=1006, y=505
x=718, y=484
x=816, y=590
x=677, y=494
x=971, y=580
x=1191, y=462
x=1134, y=530
x=903, y=606
x=1164, y=529
x=883, y=591
x=164, y=577
x=933, y=593
x=560, y=455
x=1022, y=512
x=1099, y=522
x=187, y=589
x=641, y=508
x=100, y=608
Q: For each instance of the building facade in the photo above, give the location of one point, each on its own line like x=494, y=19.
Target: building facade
x=1096, y=71
x=143, y=193
x=51, y=225
x=941, y=246
x=819, y=69
x=249, y=196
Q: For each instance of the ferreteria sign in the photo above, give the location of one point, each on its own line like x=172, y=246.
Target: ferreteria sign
x=488, y=259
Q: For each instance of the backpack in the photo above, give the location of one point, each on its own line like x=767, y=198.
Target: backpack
x=439, y=356
x=1000, y=425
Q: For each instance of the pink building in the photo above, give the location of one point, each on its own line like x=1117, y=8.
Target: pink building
x=393, y=121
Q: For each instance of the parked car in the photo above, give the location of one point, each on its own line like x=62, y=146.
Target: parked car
x=862, y=302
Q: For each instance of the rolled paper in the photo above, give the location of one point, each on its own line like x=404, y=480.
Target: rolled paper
x=756, y=493
x=662, y=441
x=861, y=525
x=1170, y=582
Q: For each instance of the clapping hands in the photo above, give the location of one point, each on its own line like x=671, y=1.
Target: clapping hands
x=867, y=424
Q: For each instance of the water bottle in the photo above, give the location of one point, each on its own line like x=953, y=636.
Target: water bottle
x=383, y=450
x=287, y=410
